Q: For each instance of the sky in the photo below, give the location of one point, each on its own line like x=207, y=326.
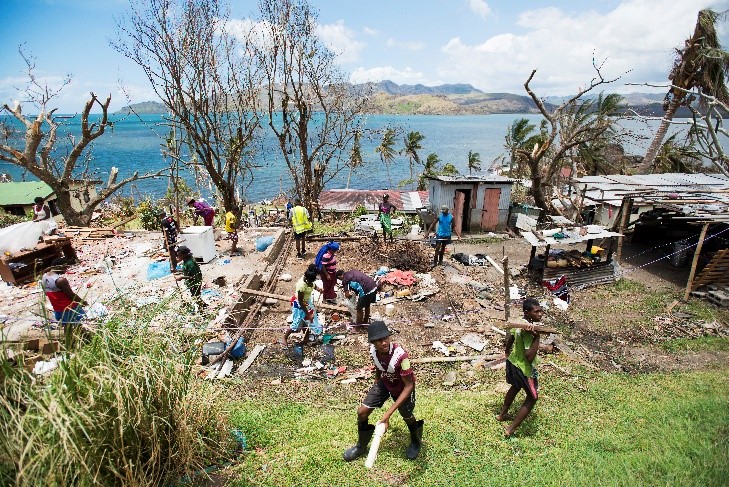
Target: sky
x=491, y=44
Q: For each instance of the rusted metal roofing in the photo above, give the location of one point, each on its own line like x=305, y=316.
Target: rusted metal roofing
x=344, y=200
x=697, y=196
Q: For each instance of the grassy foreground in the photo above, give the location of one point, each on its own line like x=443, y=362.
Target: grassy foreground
x=602, y=429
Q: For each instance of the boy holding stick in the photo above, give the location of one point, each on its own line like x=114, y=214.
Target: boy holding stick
x=521, y=373
x=393, y=378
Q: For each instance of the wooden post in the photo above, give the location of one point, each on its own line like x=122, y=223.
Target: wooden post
x=507, y=298
x=697, y=252
x=624, y=214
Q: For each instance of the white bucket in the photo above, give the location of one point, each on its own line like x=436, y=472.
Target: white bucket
x=390, y=309
x=415, y=229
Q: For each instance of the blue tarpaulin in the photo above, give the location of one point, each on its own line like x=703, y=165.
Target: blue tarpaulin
x=157, y=270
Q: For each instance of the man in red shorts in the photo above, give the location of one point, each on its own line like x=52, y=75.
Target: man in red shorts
x=394, y=379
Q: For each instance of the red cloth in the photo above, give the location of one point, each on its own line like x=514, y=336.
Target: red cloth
x=401, y=278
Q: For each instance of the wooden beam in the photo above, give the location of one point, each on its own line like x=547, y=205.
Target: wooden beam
x=695, y=261
x=249, y=360
x=459, y=358
x=282, y=297
x=507, y=294
x=525, y=326
x=624, y=215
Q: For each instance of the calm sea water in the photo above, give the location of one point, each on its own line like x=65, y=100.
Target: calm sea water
x=135, y=144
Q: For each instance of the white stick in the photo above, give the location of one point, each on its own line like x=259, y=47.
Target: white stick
x=380, y=429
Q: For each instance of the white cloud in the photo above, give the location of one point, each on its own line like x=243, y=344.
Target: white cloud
x=407, y=45
x=370, y=31
x=342, y=40
x=480, y=8
x=400, y=76
x=636, y=37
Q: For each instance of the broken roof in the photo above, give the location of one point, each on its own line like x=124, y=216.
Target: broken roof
x=698, y=196
x=344, y=200
x=465, y=178
x=23, y=193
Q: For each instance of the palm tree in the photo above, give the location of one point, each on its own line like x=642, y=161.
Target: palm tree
x=430, y=168
x=355, y=156
x=386, y=150
x=412, y=146
x=674, y=157
x=520, y=135
x=702, y=65
x=474, y=162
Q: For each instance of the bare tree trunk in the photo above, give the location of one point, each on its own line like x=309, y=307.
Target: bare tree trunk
x=652, y=152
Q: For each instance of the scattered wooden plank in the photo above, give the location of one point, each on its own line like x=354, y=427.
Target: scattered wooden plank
x=525, y=326
x=282, y=297
x=249, y=360
x=225, y=369
x=498, y=330
x=458, y=358
x=496, y=266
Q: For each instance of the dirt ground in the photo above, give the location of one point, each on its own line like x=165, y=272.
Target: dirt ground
x=599, y=330
x=470, y=300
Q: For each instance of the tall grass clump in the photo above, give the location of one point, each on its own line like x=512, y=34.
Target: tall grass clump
x=123, y=408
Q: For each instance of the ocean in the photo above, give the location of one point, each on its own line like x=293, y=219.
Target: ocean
x=135, y=144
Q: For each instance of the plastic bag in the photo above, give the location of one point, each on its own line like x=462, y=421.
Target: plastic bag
x=157, y=270
x=262, y=243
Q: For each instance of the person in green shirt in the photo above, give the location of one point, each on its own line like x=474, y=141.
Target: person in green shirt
x=521, y=371
x=191, y=274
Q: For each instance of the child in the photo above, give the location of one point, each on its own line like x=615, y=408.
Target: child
x=169, y=232
x=66, y=304
x=393, y=378
x=521, y=372
x=303, y=313
x=191, y=274
x=231, y=228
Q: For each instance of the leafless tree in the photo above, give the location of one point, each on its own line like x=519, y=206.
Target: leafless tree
x=203, y=75
x=572, y=124
x=312, y=110
x=38, y=151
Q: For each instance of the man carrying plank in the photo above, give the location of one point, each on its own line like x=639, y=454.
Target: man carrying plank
x=393, y=378
x=521, y=372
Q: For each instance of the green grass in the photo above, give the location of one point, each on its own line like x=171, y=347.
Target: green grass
x=668, y=429
x=702, y=344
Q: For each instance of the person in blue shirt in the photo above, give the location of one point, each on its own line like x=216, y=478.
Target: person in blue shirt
x=443, y=234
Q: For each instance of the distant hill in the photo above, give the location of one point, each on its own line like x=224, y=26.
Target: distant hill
x=456, y=99
x=146, y=107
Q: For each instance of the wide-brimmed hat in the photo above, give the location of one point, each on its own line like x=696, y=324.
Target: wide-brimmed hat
x=377, y=330
x=190, y=200
x=444, y=208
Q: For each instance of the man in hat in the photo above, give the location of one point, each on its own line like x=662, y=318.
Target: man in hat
x=393, y=378
x=443, y=235
x=202, y=209
x=66, y=304
x=301, y=225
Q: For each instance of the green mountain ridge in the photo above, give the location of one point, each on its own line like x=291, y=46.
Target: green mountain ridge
x=389, y=98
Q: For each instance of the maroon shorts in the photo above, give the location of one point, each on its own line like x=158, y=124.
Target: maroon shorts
x=516, y=377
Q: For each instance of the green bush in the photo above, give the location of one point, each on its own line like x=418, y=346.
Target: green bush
x=6, y=219
x=147, y=212
x=123, y=409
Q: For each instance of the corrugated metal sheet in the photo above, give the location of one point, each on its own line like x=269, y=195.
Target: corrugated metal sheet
x=489, y=178
x=444, y=194
x=23, y=193
x=345, y=200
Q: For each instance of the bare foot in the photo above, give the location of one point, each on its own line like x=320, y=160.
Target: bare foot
x=508, y=432
x=503, y=417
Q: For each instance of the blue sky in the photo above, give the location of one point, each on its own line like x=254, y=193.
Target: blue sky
x=492, y=45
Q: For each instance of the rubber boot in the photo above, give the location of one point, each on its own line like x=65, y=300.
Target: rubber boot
x=416, y=435
x=364, y=433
